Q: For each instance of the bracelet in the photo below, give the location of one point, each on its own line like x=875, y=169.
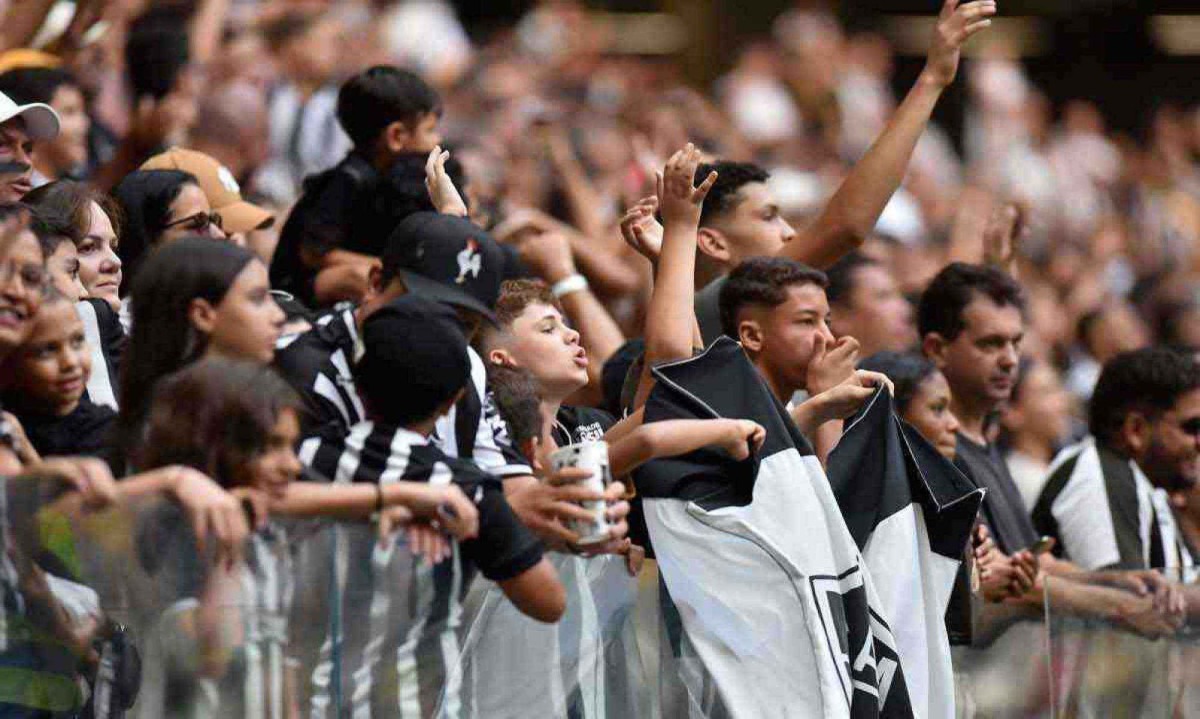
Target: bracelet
x=567, y=285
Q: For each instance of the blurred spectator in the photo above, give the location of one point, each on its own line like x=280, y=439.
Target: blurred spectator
x=67, y=154
x=1036, y=423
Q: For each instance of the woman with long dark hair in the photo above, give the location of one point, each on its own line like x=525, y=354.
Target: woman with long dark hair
x=160, y=206
x=196, y=297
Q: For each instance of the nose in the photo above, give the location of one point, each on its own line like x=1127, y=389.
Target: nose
x=788, y=231
x=278, y=317
x=215, y=232
x=1009, y=358
x=291, y=464
x=952, y=424
x=572, y=336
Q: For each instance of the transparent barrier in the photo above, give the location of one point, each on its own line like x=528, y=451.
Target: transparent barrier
x=1125, y=644
x=118, y=614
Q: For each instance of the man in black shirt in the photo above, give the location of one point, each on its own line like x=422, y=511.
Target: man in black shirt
x=971, y=321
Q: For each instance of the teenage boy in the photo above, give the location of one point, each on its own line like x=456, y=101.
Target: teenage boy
x=421, y=341
x=333, y=235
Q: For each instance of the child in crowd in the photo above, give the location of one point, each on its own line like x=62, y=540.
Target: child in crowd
x=45, y=380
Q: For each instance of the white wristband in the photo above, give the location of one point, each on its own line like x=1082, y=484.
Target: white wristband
x=567, y=285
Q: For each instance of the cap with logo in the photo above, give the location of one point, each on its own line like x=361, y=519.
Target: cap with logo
x=41, y=121
x=448, y=259
x=218, y=185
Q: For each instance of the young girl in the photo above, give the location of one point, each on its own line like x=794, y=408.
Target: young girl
x=921, y=396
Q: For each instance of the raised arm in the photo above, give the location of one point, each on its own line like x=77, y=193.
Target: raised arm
x=852, y=212
x=670, y=318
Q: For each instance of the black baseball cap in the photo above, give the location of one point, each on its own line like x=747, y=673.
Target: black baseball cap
x=414, y=358
x=448, y=259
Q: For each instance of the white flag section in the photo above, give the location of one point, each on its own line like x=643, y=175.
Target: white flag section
x=775, y=599
x=911, y=511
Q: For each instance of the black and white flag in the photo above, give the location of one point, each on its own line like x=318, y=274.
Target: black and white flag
x=775, y=598
x=910, y=511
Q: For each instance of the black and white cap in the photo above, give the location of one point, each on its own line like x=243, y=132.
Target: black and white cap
x=447, y=259
x=41, y=121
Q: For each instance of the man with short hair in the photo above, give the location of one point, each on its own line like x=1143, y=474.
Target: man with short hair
x=20, y=127
x=971, y=322
x=1106, y=499
x=65, y=156
x=743, y=220
x=866, y=304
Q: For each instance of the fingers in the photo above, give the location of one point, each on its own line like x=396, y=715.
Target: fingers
x=568, y=475
x=948, y=8
x=975, y=11
x=614, y=492
x=569, y=511
x=701, y=192
x=820, y=348
x=617, y=512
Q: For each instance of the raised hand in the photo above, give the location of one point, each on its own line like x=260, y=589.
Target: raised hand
x=548, y=255
x=831, y=364
x=1002, y=237
x=955, y=25
x=89, y=477
x=678, y=195
x=641, y=230
x=214, y=513
x=442, y=192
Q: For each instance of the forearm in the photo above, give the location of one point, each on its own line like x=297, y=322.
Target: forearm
x=206, y=29
x=22, y=21
x=671, y=318
x=669, y=438
x=347, y=501
x=813, y=423
x=851, y=214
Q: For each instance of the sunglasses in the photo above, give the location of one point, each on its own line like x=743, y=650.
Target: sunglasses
x=198, y=222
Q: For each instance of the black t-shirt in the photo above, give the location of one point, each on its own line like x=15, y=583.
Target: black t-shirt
x=330, y=212
x=87, y=431
x=1003, y=509
x=573, y=425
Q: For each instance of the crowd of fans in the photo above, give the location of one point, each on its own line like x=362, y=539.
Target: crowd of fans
x=304, y=259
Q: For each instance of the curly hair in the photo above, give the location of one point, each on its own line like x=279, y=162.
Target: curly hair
x=516, y=295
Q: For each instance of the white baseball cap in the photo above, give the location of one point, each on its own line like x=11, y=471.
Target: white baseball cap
x=41, y=121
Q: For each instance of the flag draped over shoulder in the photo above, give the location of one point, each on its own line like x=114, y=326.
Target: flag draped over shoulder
x=910, y=512
x=772, y=592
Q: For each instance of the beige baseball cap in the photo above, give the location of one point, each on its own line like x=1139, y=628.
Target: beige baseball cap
x=218, y=185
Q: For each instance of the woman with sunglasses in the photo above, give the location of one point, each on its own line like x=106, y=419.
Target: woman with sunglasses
x=159, y=206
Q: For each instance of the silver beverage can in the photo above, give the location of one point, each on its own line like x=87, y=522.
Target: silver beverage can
x=592, y=456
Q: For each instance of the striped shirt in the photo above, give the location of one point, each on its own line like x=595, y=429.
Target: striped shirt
x=318, y=363
x=1106, y=514
x=393, y=642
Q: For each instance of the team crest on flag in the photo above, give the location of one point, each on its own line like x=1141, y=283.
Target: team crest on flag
x=775, y=599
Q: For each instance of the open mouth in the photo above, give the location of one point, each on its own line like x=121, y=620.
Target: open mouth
x=11, y=317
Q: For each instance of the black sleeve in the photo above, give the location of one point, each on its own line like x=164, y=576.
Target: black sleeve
x=504, y=548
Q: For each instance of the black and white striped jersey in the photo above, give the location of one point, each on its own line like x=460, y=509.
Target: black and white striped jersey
x=318, y=363
x=393, y=641
x=1105, y=513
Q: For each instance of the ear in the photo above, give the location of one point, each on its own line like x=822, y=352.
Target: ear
x=202, y=315
x=933, y=346
x=396, y=136
x=714, y=244
x=501, y=357
x=374, y=283
x=750, y=334
x=1136, y=433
